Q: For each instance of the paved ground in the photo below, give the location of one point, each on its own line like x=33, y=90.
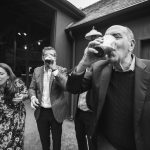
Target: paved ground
x=32, y=141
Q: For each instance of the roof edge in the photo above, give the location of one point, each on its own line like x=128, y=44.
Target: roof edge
x=67, y=7
x=100, y=19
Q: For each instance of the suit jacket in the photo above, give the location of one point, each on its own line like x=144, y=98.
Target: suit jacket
x=98, y=83
x=57, y=96
x=76, y=99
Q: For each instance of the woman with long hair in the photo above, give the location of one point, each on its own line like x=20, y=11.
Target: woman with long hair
x=12, y=110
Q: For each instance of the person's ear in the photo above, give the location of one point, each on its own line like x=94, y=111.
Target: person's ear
x=8, y=82
x=132, y=45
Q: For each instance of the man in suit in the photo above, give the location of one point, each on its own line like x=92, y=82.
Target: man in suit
x=119, y=91
x=47, y=98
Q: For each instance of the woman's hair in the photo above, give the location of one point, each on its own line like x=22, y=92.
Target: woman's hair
x=9, y=88
x=8, y=70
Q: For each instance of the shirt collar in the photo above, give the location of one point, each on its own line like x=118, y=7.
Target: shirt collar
x=46, y=69
x=131, y=68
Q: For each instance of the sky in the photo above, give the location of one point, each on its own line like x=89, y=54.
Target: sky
x=82, y=3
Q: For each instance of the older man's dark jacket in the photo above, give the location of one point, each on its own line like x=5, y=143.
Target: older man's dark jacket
x=98, y=83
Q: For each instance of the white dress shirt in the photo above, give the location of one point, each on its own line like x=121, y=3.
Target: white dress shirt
x=82, y=102
x=46, y=103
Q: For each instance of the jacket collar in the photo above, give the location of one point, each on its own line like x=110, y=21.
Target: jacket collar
x=141, y=82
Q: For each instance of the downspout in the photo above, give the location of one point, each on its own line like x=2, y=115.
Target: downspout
x=73, y=65
x=74, y=46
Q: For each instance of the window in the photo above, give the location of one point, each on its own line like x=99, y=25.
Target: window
x=145, y=49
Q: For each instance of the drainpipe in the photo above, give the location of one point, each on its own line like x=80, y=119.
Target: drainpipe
x=73, y=38
x=73, y=65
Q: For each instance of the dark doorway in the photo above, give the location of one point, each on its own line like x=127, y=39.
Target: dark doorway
x=24, y=31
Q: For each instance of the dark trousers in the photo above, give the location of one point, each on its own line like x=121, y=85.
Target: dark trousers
x=83, y=120
x=103, y=143
x=45, y=123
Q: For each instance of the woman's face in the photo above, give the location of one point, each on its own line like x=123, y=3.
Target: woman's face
x=3, y=76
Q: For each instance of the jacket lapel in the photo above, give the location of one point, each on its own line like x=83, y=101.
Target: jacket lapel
x=41, y=75
x=141, y=82
x=104, y=82
x=52, y=86
x=51, y=81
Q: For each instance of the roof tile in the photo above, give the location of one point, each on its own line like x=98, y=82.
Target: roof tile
x=106, y=7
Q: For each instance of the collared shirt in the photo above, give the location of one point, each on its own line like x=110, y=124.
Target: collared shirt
x=46, y=103
x=82, y=102
x=82, y=97
x=131, y=67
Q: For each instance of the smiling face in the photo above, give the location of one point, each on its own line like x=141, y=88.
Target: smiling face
x=3, y=76
x=124, y=42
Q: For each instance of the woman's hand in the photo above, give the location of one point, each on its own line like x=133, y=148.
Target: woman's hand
x=18, y=98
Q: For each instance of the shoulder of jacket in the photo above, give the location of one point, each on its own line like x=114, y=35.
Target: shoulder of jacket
x=62, y=69
x=143, y=63
x=38, y=68
x=147, y=63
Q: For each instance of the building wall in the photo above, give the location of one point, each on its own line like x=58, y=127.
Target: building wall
x=63, y=44
x=64, y=47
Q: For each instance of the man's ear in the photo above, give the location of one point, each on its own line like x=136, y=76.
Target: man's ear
x=132, y=45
